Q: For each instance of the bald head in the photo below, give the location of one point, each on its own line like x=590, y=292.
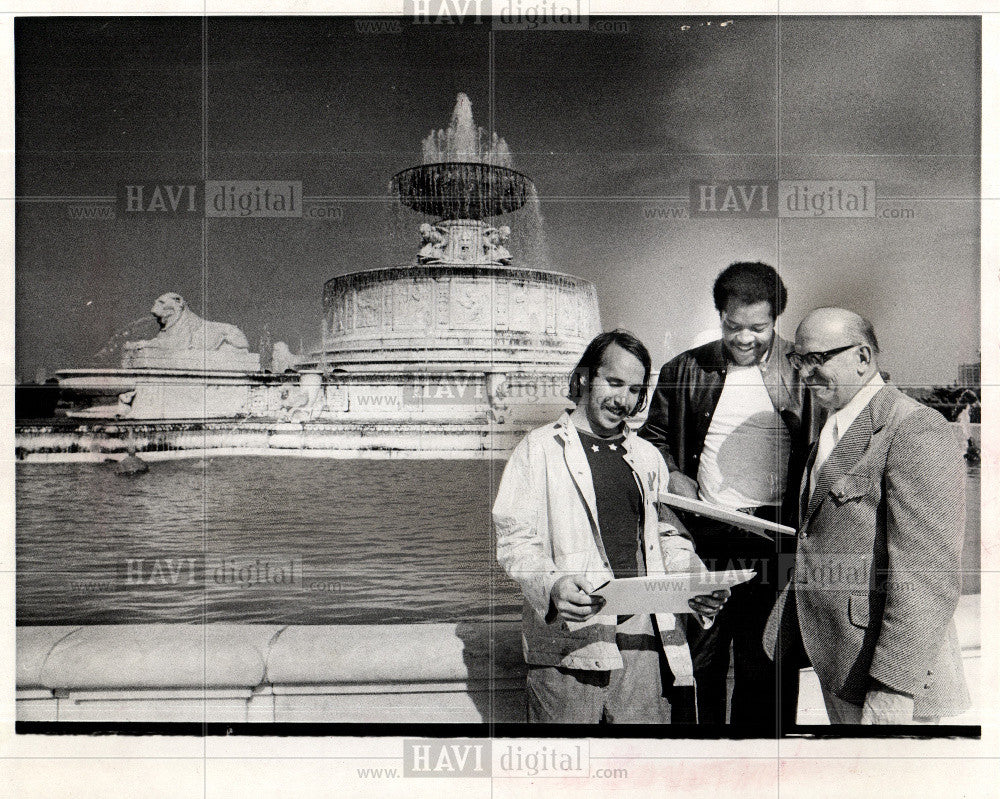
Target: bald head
x=843, y=322
x=836, y=381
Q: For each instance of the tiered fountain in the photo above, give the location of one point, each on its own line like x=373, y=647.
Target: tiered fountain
x=462, y=313
x=455, y=354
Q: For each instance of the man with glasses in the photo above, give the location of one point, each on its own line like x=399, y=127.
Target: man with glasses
x=732, y=421
x=882, y=511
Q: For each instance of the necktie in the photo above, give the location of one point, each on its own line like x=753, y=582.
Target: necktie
x=828, y=438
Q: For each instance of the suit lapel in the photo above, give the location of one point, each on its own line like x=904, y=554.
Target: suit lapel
x=804, y=482
x=845, y=454
x=853, y=444
x=782, y=391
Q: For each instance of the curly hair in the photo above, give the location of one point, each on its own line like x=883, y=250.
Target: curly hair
x=750, y=282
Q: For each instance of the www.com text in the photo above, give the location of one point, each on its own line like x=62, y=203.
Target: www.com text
x=94, y=586
x=384, y=773
x=87, y=212
x=378, y=26
x=665, y=212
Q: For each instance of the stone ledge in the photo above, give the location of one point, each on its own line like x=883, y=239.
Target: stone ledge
x=183, y=656
x=142, y=656
x=343, y=673
x=388, y=653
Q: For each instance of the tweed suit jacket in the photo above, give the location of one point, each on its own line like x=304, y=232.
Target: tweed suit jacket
x=877, y=568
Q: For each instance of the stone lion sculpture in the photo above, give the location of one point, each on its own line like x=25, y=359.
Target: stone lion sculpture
x=183, y=331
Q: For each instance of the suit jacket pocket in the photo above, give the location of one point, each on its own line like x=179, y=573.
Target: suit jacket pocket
x=857, y=610
x=851, y=486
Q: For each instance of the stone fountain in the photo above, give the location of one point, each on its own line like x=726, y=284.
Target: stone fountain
x=463, y=307
x=453, y=354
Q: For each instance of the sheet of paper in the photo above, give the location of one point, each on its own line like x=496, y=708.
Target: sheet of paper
x=742, y=520
x=668, y=593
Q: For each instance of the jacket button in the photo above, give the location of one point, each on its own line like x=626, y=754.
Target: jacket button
x=926, y=686
x=707, y=413
x=803, y=534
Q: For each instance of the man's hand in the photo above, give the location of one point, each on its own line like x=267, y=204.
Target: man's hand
x=683, y=485
x=571, y=598
x=709, y=604
x=886, y=706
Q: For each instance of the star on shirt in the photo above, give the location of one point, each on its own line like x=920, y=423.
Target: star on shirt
x=613, y=447
x=595, y=447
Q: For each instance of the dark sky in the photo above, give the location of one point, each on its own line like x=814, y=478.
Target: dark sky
x=604, y=123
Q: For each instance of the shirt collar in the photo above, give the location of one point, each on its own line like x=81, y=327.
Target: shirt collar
x=565, y=425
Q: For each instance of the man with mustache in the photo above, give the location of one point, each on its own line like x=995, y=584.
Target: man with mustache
x=732, y=420
x=882, y=520
x=577, y=505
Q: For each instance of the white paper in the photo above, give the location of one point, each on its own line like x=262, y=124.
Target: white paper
x=667, y=593
x=745, y=521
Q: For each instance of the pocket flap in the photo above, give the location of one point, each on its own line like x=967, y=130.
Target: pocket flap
x=851, y=486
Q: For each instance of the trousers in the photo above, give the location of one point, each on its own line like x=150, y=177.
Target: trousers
x=639, y=693
x=765, y=697
x=840, y=711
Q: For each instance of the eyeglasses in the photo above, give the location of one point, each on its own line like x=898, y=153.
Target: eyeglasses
x=815, y=359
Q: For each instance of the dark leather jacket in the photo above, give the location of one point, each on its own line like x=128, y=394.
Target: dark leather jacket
x=688, y=390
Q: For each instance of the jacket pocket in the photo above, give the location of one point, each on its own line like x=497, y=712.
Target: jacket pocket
x=851, y=486
x=857, y=610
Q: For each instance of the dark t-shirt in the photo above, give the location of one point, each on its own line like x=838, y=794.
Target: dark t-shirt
x=619, y=503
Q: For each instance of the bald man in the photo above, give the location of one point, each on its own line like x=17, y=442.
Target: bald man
x=881, y=522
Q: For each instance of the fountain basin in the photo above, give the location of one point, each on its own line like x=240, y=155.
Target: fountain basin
x=440, y=316
x=387, y=674
x=461, y=189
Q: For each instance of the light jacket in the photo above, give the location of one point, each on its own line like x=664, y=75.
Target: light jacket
x=545, y=516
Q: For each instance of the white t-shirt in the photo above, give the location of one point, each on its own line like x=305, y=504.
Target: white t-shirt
x=744, y=462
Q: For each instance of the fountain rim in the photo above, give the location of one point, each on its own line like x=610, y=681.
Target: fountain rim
x=490, y=181
x=410, y=267
x=497, y=167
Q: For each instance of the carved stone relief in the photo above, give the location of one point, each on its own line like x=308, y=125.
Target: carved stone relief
x=369, y=306
x=411, y=307
x=470, y=300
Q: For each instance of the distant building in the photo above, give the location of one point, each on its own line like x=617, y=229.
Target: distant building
x=969, y=375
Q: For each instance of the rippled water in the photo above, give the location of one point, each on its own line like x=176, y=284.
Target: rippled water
x=279, y=540
x=276, y=540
